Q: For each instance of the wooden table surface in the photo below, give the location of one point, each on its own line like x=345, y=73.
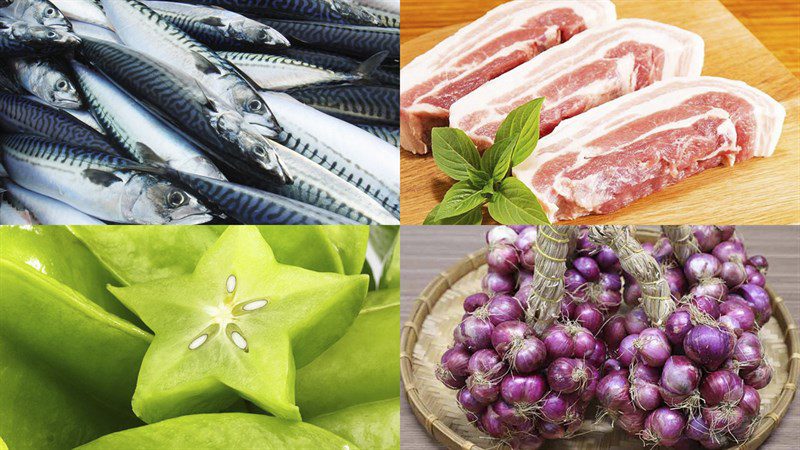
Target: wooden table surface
x=733, y=51
x=427, y=251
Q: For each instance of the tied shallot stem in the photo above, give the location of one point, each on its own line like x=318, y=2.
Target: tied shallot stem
x=683, y=242
x=656, y=299
x=550, y=262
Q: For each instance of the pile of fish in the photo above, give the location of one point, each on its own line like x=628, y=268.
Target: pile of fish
x=222, y=111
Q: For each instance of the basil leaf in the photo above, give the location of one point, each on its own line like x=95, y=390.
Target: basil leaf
x=496, y=159
x=478, y=177
x=473, y=217
x=523, y=125
x=461, y=198
x=454, y=152
x=515, y=204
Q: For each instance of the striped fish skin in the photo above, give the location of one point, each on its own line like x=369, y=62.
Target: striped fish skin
x=108, y=187
x=144, y=30
x=219, y=28
x=49, y=80
x=42, y=12
x=86, y=11
x=339, y=63
x=332, y=11
x=387, y=133
x=182, y=103
x=49, y=211
x=377, y=105
x=354, y=40
x=348, y=152
x=317, y=186
x=28, y=116
x=139, y=132
x=252, y=206
x=278, y=73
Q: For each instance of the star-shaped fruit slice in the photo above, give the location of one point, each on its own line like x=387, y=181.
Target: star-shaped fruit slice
x=236, y=327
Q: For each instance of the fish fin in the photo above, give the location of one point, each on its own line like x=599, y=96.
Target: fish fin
x=212, y=21
x=366, y=68
x=100, y=177
x=204, y=65
x=148, y=155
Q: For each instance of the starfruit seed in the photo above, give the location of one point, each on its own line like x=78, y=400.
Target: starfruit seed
x=198, y=341
x=256, y=304
x=230, y=284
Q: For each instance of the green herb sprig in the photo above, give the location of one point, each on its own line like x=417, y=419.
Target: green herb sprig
x=482, y=180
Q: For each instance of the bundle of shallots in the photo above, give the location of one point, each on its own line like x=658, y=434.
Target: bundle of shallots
x=691, y=376
x=514, y=382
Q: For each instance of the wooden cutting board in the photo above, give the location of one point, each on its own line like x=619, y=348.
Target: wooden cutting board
x=759, y=191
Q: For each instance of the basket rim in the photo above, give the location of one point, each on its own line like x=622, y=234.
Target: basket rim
x=430, y=295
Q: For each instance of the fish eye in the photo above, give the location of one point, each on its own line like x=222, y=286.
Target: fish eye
x=52, y=34
x=260, y=151
x=61, y=85
x=255, y=105
x=50, y=12
x=263, y=35
x=176, y=198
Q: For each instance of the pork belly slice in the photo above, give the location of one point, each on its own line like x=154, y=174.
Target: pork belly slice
x=630, y=147
x=592, y=68
x=504, y=38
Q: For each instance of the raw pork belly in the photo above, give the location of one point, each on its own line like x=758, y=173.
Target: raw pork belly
x=504, y=38
x=640, y=143
x=594, y=67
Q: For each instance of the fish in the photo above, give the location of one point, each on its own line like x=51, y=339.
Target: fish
x=377, y=105
x=12, y=212
x=181, y=102
x=253, y=206
x=86, y=11
x=387, y=19
x=48, y=79
x=353, y=40
x=350, y=153
x=42, y=12
x=18, y=38
x=142, y=29
x=87, y=118
x=388, y=11
x=392, y=6
x=23, y=115
x=318, y=186
x=387, y=133
x=49, y=211
x=143, y=135
x=84, y=29
x=332, y=11
x=108, y=187
x=8, y=83
x=278, y=73
x=219, y=28
x=339, y=63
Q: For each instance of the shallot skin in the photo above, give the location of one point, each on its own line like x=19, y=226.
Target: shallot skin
x=664, y=426
x=708, y=346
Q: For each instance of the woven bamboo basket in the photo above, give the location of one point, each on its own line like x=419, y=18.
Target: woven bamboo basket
x=437, y=311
